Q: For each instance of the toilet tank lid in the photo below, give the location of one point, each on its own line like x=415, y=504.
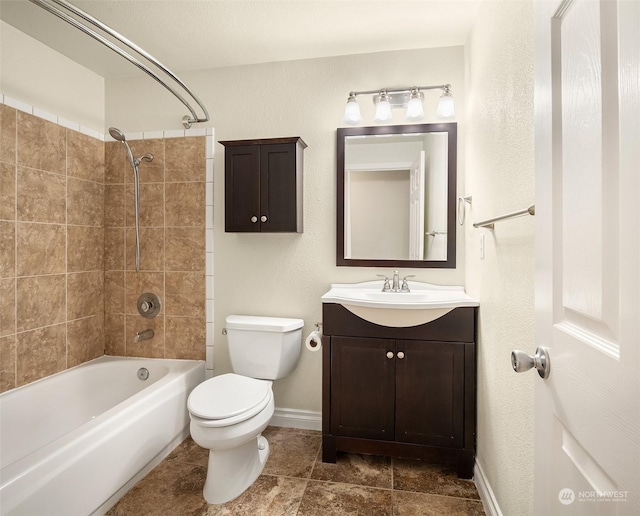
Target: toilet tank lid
x=258, y=323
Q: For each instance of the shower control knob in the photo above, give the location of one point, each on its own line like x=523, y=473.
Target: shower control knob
x=254, y=219
x=263, y=218
x=389, y=354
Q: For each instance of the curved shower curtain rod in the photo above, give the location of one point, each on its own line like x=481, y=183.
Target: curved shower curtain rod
x=186, y=120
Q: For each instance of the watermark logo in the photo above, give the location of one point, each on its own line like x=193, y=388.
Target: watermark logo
x=566, y=496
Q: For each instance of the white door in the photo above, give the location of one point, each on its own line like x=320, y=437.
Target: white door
x=416, y=208
x=587, y=444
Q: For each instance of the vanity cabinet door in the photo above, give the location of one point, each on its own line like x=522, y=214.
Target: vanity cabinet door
x=430, y=393
x=362, y=387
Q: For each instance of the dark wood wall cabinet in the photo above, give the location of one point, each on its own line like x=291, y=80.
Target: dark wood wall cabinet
x=263, y=185
x=403, y=392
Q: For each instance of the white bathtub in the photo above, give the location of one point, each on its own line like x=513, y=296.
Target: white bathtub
x=75, y=442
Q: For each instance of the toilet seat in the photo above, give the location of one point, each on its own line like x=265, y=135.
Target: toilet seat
x=229, y=399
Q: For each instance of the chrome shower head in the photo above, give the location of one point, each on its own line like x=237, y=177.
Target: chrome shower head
x=116, y=134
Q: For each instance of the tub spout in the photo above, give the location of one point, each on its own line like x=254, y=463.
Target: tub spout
x=143, y=335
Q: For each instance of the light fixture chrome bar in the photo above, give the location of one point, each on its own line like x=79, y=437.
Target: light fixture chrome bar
x=403, y=89
x=186, y=120
x=531, y=210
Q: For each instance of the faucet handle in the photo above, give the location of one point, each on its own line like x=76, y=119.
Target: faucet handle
x=405, y=285
x=387, y=286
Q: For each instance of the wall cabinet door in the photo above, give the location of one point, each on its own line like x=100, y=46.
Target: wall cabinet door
x=363, y=387
x=430, y=393
x=263, y=185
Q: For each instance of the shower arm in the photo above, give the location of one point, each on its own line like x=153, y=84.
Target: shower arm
x=186, y=120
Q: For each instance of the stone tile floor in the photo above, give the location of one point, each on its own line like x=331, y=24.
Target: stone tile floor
x=295, y=482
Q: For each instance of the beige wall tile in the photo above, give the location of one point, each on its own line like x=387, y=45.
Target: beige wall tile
x=41, y=144
x=114, y=335
x=151, y=205
x=7, y=363
x=185, y=250
x=185, y=294
x=41, y=196
x=153, y=348
x=114, y=292
x=114, y=205
x=7, y=191
x=115, y=159
x=85, y=203
x=137, y=283
x=40, y=301
x=85, y=339
x=85, y=157
x=185, y=338
x=185, y=159
x=7, y=249
x=7, y=306
x=150, y=171
x=85, y=248
x=151, y=249
x=114, y=249
x=8, y=134
x=184, y=204
x=41, y=248
x=40, y=353
x=85, y=294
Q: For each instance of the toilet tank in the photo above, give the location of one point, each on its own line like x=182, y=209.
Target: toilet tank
x=263, y=347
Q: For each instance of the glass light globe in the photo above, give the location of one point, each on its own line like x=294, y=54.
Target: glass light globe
x=383, y=110
x=445, y=107
x=352, y=114
x=415, y=111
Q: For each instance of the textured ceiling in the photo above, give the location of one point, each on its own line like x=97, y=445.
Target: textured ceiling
x=189, y=35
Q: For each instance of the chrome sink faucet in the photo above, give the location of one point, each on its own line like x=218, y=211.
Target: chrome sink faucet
x=395, y=286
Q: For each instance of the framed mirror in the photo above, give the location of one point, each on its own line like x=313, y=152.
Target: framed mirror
x=396, y=196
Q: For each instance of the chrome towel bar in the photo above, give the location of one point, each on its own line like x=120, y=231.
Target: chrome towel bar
x=531, y=210
x=78, y=24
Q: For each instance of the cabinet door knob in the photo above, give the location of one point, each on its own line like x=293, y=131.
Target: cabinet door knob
x=254, y=219
x=389, y=354
x=400, y=355
x=263, y=218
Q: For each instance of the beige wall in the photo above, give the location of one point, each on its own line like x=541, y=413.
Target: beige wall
x=285, y=274
x=37, y=75
x=500, y=175
x=51, y=241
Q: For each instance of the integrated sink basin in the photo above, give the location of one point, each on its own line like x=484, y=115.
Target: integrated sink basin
x=422, y=304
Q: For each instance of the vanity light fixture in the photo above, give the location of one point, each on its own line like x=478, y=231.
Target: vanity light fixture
x=410, y=98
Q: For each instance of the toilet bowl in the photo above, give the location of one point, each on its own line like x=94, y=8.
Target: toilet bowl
x=229, y=412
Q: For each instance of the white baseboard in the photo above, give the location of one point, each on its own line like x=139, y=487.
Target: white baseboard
x=491, y=507
x=291, y=418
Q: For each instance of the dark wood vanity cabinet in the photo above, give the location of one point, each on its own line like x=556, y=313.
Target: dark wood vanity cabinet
x=405, y=392
x=263, y=185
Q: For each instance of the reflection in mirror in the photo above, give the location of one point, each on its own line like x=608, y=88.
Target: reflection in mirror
x=396, y=190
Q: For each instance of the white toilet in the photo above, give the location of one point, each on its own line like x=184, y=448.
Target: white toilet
x=229, y=412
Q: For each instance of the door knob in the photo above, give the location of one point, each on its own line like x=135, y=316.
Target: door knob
x=389, y=354
x=263, y=218
x=400, y=355
x=254, y=219
x=521, y=362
